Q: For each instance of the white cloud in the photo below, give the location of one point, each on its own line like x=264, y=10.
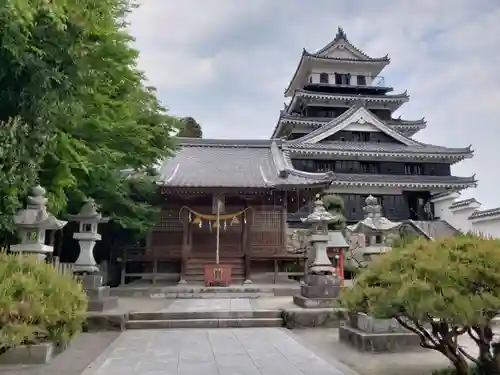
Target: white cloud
x=227, y=63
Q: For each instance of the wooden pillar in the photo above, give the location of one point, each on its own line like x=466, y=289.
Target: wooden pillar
x=341, y=265
x=246, y=241
x=122, y=271
x=276, y=270
x=185, y=244
x=154, y=256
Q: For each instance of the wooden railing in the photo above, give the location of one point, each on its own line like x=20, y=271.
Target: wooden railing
x=150, y=260
x=67, y=269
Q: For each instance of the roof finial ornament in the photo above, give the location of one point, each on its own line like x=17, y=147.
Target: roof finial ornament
x=341, y=33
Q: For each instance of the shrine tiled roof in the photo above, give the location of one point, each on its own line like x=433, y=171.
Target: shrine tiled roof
x=233, y=163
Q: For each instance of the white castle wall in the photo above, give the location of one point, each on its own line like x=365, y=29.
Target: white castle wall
x=467, y=215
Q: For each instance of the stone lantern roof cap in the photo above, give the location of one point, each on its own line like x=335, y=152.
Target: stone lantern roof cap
x=88, y=212
x=35, y=215
x=373, y=221
x=319, y=214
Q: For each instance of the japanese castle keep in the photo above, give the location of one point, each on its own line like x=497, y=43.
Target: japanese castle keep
x=337, y=134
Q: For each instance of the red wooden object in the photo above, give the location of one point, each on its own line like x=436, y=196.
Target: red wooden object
x=217, y=275
x=337, y=263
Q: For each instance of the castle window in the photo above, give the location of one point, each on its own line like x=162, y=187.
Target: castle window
x=323, y=78
x=413, y=169
x=342, y=79
x=361, y=136
x=361, y=80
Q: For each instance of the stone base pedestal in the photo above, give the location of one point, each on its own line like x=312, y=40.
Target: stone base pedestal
x=99, y=299
x=369, y=334
x=37, y=354
x=318, y=291
x=314, y=303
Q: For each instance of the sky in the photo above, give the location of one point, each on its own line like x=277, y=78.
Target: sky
x=226, y=63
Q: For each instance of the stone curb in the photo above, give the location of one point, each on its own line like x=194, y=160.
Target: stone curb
x=98, y=321
x=37, y=354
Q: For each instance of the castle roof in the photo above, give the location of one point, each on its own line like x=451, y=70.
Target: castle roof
x=339, y=50
x=405, y=127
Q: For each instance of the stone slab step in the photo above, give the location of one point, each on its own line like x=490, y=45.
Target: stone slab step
x=223, y=314
x=204, y=323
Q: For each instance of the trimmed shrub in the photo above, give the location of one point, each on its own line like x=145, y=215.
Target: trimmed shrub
x=37, y=304
x=440, y=290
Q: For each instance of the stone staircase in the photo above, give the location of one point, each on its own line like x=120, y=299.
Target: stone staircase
x=205, y=319
x=195, y=272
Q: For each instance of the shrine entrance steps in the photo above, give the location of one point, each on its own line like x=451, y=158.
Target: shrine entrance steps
x=207, y=313
x=195, y=272
x=200, y=291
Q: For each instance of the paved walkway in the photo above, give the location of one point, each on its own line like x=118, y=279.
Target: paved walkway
x=254, y=351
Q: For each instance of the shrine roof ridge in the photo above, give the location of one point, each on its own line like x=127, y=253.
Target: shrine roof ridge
x=214, y=142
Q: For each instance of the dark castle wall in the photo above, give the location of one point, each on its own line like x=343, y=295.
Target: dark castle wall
x=372, y=167
x=349, y=136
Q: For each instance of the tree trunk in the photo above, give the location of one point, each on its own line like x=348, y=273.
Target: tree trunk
x=490, y=366
x=461, y=365
x=456, y=358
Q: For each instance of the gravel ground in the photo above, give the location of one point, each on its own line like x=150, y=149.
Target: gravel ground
x=84, y=349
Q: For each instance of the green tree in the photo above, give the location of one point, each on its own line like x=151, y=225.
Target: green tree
x=335, y=205
x=18, y=167
x=190, y=128
x=439, y=290
x=69, y=73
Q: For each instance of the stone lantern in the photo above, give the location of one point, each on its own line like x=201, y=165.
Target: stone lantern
x=321, y=285
x=32, y=224
x=376, y=229
x=88, y=219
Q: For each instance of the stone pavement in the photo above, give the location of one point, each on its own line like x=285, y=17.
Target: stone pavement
x=226, y=304
x=254, y=351
x=416, y=361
